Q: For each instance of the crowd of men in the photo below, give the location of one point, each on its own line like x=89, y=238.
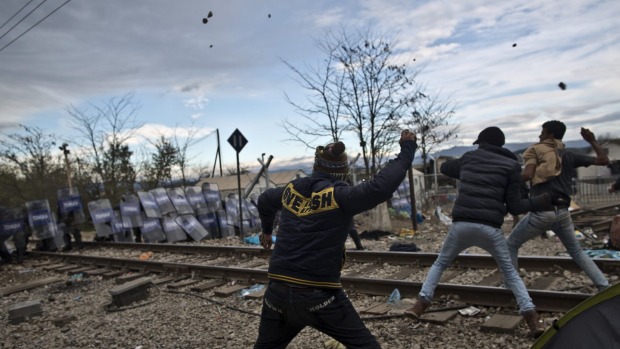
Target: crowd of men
x=316, y=217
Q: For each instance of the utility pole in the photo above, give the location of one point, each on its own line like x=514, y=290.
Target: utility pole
x=353, y=170
x=218, y=155
x=414, y=210
x=66, y=153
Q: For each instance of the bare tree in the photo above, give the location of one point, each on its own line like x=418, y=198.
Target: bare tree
x=183, y=143
x=105, y=130
x=324, y=114
x=359, y=83
x=30, y=170
x=232, y=171
x=431, y=123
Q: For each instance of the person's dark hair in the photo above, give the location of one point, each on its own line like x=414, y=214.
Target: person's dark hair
x=556, y=127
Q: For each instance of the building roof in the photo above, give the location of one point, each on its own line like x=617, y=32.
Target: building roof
x=281, y=178
x=229, y=182
x=226, y=183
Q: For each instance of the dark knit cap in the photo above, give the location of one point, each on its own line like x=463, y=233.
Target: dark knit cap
x=492, y=135
x=331, y=159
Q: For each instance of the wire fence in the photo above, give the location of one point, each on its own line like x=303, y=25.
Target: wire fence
x=441, y=191
x=594, y=190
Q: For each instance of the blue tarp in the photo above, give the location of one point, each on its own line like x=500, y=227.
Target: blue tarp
x=254, y=240
x=603, y=254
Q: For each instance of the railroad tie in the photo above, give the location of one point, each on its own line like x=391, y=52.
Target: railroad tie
x=501, y=323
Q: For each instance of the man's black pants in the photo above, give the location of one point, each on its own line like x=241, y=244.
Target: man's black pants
x=287, y=310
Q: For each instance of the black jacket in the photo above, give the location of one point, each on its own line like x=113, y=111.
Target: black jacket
x=489, y=186
x=317, y=212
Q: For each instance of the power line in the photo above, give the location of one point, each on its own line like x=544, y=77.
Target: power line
x=42, y=19
x=21, y=20
x=13, y=16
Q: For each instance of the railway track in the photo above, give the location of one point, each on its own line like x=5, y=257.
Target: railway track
x=367, y=272
x=598, y=218
x=478, y=261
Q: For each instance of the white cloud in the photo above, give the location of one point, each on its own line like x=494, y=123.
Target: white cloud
x=88, y=51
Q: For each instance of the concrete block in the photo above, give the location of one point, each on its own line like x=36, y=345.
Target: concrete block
x=130, y=292
x=24, y=311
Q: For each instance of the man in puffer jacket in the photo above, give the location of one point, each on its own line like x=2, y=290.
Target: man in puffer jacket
x=304, y=271
x=489, y=188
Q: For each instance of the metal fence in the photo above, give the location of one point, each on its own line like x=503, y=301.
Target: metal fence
x=594, y=190
x=441, y=190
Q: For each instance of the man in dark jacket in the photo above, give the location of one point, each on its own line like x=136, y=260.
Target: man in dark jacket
x=489, y=188
x=316, y=215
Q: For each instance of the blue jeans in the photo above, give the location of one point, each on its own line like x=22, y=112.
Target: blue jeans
x=463, y=235
x=287, y=311
x=536, y=223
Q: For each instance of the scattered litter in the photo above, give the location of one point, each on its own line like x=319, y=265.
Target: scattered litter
x=255, y=288
x=146, y=256
x=255, y=240
x=442, y=217
x=76, y=277
x=603, y=254
x=579, y=235
x=406, y=233
x=469, y=311
x=589, y=233
x=394, y=297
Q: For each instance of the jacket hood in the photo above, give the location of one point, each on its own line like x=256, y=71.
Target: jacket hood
x=498, y=150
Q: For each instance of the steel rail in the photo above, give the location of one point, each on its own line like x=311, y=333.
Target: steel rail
x=551, y=301
x=477, y=261
x=184, y=248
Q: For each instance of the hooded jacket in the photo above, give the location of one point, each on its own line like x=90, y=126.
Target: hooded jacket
x=547, y=156
x=316, y=214
x=490, y=186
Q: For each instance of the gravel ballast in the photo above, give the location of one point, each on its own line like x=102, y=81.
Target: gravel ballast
x=75, y=313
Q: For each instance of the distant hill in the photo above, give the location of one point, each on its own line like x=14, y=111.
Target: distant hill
x=305, y=164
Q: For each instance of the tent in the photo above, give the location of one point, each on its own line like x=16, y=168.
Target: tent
x=593, y=324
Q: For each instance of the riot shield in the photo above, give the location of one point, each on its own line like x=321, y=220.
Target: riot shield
x=152, y=230
x=208, y=218
x=163, y=201
x=121, y=234
x=102, y=216
x=177, y=196
x=226, y=230
x=174, y=232
x=149, y=204
x=252, y=216
x=41, y=219
x=70, y=206
x=192, y=227
x=11, y=225
x=195, y=198
x=232, y=213
x=130, y=211
x=212, y=195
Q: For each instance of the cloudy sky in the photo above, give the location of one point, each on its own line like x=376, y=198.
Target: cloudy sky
x=229, y=73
